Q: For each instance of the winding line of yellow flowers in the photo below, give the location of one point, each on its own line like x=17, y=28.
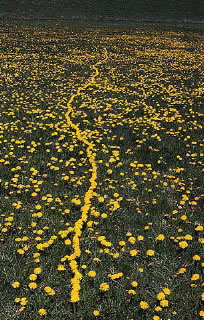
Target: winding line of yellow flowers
x=88, y=195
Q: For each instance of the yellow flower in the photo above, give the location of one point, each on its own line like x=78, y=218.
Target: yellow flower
x=150, y=252
x=39, y=214
x=74, y=296
x=158, y=308
x=199, y=228
x=183, y=244
x=42, y=312
x=160, y=237
x=61, y=267
x=160, y=296
x=47, y=289
x=96, y=313
x=164, y=303
x=76, y=201
x=193, y=203
x=15, y=284
x=196, y=258
x=37, y=270
x=116, y=275
x=100, y=199
x=23, y=301
x=104, y=286
x=134, y=283
x=32, y=277
x=195, y=277
x=144, y=305
x=96, y=259
x=21, y=309
x=185, y=197
x=20, y=251
x=188, y=237
x=36, y=254
x=32, y=285
x=67, y=241
x=167, y=290
x=131, y=291
x=92, y=274
x=133, y=253
x=132, y=240
x=201, y=313
x=182, y=270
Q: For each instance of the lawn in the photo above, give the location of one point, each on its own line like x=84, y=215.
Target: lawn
x=101, y=173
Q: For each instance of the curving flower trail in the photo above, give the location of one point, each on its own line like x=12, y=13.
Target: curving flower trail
x=77, y=276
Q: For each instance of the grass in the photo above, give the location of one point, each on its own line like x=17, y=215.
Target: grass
x=134, y=127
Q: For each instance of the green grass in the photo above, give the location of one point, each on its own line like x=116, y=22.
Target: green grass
x=145, y=103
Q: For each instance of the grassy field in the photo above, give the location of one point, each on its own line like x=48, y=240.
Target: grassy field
x=101, y=173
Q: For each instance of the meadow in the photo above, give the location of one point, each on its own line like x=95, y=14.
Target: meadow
x=101, y=174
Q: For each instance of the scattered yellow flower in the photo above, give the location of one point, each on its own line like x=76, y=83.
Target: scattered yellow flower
x=16, y=284
x=144, y=305
x=92, y=274
x=42, y=312
x=96, y=313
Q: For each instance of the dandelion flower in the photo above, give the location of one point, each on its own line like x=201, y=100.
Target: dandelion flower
x=92, y=274
x=158, y=309
x=164, y=303
x=24, y=301
x=121, y=243
x=61, y=267
x=115, y=276
x=20, y=251
x=161, y=296
x=201, y=313
x=167, y=290
x=32, y=285
x=42, y=312
x=144, y=305
x=37, y=270
x=131, y=291
x=160, y=237
x=195, y=277
x=134, y=284
x=196, y=258
x=32, y=277
x=15, y=284
x=150, y=253
x=183, y=244
x=96, y=313
x=104, y=286
x=133, y=253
